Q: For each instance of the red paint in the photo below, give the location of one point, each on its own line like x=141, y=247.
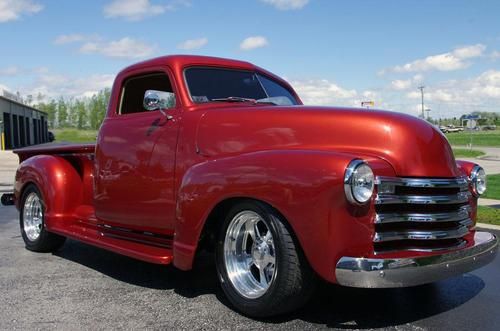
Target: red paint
x=160, y=187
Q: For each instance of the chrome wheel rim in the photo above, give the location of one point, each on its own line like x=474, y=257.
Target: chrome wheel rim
x=32, y=216
x=249, y=254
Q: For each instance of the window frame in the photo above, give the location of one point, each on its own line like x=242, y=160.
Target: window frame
x=142, y=73
x=188, y=90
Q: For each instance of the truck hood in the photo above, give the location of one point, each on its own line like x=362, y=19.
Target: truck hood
x=412, y=146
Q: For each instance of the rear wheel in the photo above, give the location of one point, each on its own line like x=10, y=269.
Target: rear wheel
x=35, y=236
x=260, y=265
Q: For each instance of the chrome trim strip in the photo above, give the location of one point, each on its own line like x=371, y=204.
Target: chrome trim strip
x=460, y=197
x=460, y=182
x=403, y=272
x=457, y=232
x=455, y=216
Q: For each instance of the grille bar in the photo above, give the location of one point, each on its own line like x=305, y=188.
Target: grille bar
x=455, y=216
x=460, y=197
x=457, y=232
x=461, y=182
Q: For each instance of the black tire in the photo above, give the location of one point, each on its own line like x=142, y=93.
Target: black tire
x=294, y=281
x=46, y=241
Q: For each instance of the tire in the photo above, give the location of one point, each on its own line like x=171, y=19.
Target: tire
x=263, y=274
x=32, y=223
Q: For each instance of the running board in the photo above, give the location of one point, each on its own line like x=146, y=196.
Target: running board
x=158, y=254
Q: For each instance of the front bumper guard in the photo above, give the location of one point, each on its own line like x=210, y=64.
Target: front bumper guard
x=404, y=272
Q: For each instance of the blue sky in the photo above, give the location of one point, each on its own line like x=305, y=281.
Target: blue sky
x=332, y=52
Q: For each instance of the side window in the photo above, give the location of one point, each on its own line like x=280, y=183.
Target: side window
x=134, y=90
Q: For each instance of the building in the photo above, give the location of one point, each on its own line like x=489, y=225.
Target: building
x=21, y=125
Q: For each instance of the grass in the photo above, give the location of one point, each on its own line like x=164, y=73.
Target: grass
x=463, y=152
x=75, y=135
x=488, y=215
x=493, y=187
x=479, y=138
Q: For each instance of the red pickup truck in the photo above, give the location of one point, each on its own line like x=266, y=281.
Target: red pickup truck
x=216, y=154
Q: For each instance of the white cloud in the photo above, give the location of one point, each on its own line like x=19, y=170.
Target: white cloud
x=11, y=10
x=453, y=98
x=55, y=85
x=123, y=48
x=286, y=4
x=253, y=43
x=193, y=44
x=69, y=38
x=4, y=88
x=399, y=84
x=405, y=84
x=322, y=92
x=454, y=60
x=136, y=10
x=9, y=71
x=495, y=55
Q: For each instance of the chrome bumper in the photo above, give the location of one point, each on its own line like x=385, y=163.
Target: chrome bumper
x=379, y=273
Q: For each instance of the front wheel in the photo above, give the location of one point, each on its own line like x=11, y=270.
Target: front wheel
x=32, y=222
x=261, y=268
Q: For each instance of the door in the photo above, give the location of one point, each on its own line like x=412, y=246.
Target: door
x=131, y=191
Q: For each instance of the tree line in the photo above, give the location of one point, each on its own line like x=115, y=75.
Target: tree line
x=80, y=113
x=484, y=118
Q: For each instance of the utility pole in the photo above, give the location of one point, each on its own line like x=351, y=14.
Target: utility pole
x=421, y=88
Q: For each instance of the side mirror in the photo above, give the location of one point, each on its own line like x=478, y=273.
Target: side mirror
x=159, y=100
x=151, y=101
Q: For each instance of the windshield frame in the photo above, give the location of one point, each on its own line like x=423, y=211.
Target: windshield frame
x=267, y=75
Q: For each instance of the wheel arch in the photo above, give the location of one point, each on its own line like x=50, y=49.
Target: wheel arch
x=58, y=182
x=303, y=194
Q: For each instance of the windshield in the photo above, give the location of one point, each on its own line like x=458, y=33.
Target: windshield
x=216, y=85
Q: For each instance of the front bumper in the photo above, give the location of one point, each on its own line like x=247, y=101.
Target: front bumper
x=380, y=273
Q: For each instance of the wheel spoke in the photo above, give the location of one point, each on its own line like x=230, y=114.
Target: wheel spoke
x=250, y=229
x=268, y=238
x=263, y=278
x=270, y=260
x=256, y=230
x=249, y=261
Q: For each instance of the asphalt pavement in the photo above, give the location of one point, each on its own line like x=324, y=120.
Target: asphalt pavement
x=83, y=287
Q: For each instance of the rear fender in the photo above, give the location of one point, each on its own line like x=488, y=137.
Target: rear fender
x=59, y=183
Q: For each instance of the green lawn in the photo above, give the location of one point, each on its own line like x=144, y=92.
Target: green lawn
x=488, y=215
x=493, y=187
x=75, y=135
x=463, y=152
x=479, y=138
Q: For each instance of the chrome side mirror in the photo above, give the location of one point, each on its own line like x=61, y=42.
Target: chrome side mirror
x=151, y=101
x=159, y=100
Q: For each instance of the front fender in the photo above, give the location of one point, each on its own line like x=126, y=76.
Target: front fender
x=305, y=186
x=58, y=182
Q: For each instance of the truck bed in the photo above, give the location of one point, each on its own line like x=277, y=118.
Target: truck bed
x=54, y=148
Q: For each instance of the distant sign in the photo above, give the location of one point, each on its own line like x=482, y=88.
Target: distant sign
x=471, y=117
x=367, y=103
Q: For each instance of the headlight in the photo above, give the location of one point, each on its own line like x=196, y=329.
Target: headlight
x=478, y=180
x=358, y=182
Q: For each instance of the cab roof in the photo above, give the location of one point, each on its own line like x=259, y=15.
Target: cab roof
x=180, y=61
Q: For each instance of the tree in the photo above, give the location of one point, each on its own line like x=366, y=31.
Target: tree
x=81, y=114
x=62, y=113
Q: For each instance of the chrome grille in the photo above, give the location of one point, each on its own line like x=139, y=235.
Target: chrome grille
x=421, y=214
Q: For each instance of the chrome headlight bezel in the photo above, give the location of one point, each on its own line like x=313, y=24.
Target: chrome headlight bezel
x=351, y=183
x=478, y=180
